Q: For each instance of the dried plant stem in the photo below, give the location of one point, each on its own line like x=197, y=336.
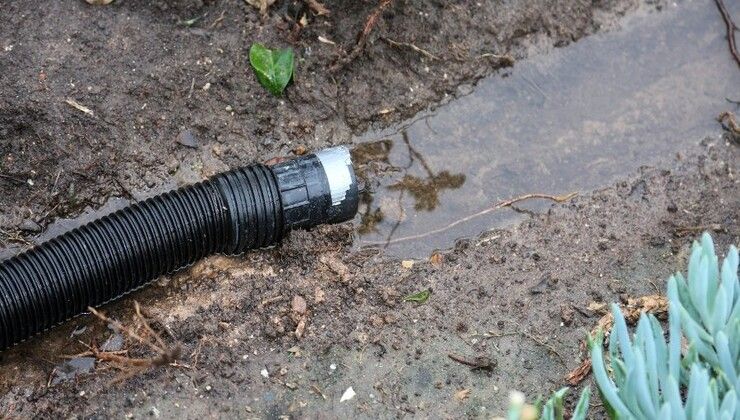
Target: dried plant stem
x=497, y=206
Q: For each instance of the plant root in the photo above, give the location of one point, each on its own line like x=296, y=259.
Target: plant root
x=731, y=28
x=142, y=333
x=370, y=22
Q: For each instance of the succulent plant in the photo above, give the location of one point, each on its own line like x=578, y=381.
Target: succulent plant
x=553, y=409
x=709, y=306
x=648, y=378
x=648, y=373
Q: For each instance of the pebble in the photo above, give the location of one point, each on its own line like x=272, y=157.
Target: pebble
x=29, y=225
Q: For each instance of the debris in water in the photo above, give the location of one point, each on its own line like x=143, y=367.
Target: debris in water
x=348, y=395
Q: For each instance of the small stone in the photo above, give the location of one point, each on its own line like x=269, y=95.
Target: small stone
x=348, y=395
x=299, y=305
x=29, y=225
x=187, y=139
x=265, y=373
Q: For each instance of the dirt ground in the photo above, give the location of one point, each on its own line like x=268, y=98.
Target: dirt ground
x=147, y=78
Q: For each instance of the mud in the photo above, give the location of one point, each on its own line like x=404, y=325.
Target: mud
x=236, y=318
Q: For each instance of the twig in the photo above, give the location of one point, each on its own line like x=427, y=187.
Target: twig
x=478, y=362
x=78, y=106
x=731, y=28
x=164, y=355
x=497, y=206
x=421, y=51
x=370, y=22
x=317, y=7
x=218, y=20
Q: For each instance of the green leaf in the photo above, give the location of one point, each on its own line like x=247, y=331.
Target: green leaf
x=419, y=297
x=273, y=68
x=581, y=410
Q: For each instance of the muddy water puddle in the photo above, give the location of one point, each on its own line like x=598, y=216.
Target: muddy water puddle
x=574, y=119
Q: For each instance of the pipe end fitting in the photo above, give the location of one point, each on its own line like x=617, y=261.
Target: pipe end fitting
x=318, y=188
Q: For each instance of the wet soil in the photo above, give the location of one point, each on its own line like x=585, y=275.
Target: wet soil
x=235, y=318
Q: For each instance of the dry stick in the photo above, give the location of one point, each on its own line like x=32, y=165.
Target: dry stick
x=731, y=28
x=497, y=206
x=370, y=22
x=421, y=51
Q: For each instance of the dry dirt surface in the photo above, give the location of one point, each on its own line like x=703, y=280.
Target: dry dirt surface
x=285, y=332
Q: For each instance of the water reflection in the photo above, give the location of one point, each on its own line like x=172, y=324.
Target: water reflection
x=573, y=119
x=375, y=170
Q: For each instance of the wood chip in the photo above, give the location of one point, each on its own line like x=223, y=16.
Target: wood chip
x=462, y=394
x=577, y=375
x=78, y=106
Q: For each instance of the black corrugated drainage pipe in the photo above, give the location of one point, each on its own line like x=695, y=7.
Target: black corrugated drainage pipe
x=246, y=208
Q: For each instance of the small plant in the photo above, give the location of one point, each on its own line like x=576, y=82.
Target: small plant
x=553, y=409
x=648, y=378
x=273, y=68
x=648, y=373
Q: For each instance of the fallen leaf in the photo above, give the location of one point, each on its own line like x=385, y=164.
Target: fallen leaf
x=577, y=375
x=462, y=394
x=348, y=395
x=419, y=297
